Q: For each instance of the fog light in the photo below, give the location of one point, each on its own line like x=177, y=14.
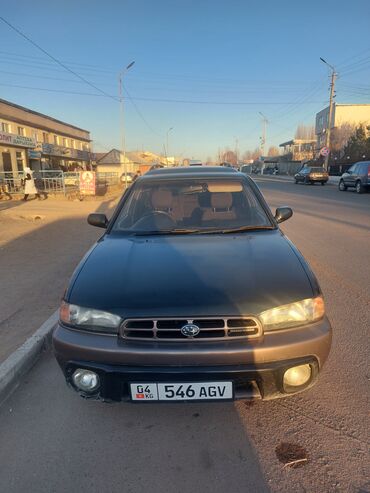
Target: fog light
x=86, y=380
x=297, y=376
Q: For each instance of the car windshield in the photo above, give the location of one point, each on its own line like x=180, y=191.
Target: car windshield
x=191, y=206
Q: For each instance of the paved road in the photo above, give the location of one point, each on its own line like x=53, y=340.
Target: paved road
x=53, y=441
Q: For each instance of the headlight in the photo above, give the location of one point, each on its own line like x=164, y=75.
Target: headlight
x=89, y=319
x=294, y=314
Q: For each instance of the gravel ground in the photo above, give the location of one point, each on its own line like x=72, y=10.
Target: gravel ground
x=51, y=440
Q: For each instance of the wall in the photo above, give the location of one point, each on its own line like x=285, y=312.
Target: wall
x=356, y=114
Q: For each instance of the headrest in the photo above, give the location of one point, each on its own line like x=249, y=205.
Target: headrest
x=162, y=199
x=220, y=200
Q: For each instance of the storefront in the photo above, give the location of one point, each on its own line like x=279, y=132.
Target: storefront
x=58, y=157
x=14, y=151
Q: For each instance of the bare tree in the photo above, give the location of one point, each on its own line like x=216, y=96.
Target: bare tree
x=273, y=151
x=305, y=132
x=256, y=154
x=340, y=136
x=229, y=157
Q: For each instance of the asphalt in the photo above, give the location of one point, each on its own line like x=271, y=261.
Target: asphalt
x=53, y=441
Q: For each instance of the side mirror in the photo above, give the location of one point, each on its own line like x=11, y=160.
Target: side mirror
x=98, y=220
x=283, y=213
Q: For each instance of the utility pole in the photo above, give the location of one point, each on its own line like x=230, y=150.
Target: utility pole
x=168, y=131
x=263, y=138
x=331, y=101
x=123, y=144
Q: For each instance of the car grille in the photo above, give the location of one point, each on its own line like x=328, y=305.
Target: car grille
x=169, y=329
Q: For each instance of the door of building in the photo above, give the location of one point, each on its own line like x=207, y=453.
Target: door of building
x=7, y=161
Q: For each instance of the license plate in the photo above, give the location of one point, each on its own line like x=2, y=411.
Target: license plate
x=195, y=391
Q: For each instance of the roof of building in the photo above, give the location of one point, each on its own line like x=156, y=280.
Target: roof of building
x=144, y=157
x=298, y=141
x=4, y=101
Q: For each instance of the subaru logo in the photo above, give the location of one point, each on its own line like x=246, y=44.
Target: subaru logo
x=190, y=330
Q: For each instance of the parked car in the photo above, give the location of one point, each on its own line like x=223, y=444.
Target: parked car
x=357, y=176
x=129, y=177
x=192, y=293
x=311, y=175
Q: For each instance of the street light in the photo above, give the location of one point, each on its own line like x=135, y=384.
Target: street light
x=120, y=90
x=168, y=131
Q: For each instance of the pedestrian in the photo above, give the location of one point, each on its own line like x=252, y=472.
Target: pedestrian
x=29, y=184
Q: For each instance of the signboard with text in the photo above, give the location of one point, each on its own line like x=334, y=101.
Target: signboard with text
x=87, y=182
x=16, y=140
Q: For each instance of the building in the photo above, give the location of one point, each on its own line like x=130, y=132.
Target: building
x=298, y=150
x=29, y=138
x=343, y=114
x=112, y=162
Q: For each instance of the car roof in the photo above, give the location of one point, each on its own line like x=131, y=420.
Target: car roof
x=191, y=172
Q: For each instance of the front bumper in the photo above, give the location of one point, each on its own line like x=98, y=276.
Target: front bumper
x=255, y=367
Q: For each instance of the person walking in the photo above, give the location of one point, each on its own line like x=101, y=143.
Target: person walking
x=29, y=184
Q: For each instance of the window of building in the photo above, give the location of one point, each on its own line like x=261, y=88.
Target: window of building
x=5, y=127
x=21, y=131
x=72, y=143
x=45, y=137
x=65, y=144
x=19, y=161
x=56, y=140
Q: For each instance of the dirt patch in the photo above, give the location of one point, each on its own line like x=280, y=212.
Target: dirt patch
x=291, y=455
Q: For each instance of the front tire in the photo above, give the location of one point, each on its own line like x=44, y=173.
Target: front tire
x=359, y=187
x=322, y=183
x=342, y=187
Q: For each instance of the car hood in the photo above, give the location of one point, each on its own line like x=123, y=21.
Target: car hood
x=190, y=275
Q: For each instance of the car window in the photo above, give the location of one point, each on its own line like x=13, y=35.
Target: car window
x=190, y=204
x=352, y=168
x=318, y=170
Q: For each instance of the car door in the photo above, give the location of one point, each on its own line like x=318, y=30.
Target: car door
x=348, y=177
x=301, y=175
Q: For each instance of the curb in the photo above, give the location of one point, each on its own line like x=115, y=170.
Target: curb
x=23, y=358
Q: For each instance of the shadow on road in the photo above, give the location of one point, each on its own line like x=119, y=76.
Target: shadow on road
x=52, y=440
x=35, y=268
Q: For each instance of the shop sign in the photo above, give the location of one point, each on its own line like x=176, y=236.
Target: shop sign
x=66, y=152
x=16, y=140
x=87, y=182
x=34, y=154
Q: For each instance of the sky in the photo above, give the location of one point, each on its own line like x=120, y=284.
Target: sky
x=205, y=68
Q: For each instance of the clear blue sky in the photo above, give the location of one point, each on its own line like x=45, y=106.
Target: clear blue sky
x=265, y=54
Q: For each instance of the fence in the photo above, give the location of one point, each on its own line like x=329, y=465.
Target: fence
x=53, y=181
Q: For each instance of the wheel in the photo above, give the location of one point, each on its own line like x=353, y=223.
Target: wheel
x=322, y=183
x=359, y=187
x=342, y=187
x=307, y=181
x=295, y=181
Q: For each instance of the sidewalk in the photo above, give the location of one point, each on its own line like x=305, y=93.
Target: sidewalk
x=41, y=242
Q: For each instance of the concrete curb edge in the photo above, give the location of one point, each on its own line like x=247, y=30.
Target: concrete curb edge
x=23, y=358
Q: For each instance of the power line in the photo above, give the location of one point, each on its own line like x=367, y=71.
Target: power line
x=158, y=100
x=70, y=70
x=56, y=60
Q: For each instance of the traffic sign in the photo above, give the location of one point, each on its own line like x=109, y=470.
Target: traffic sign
x=324, y=151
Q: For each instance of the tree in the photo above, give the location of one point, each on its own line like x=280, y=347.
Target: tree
x=229, y=157
x=305, y=132
x=358, y=145
x=273, y=151
x=340, y=136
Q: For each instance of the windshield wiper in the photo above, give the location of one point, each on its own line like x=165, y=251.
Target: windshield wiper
x=166, y=232
x=241, y=229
